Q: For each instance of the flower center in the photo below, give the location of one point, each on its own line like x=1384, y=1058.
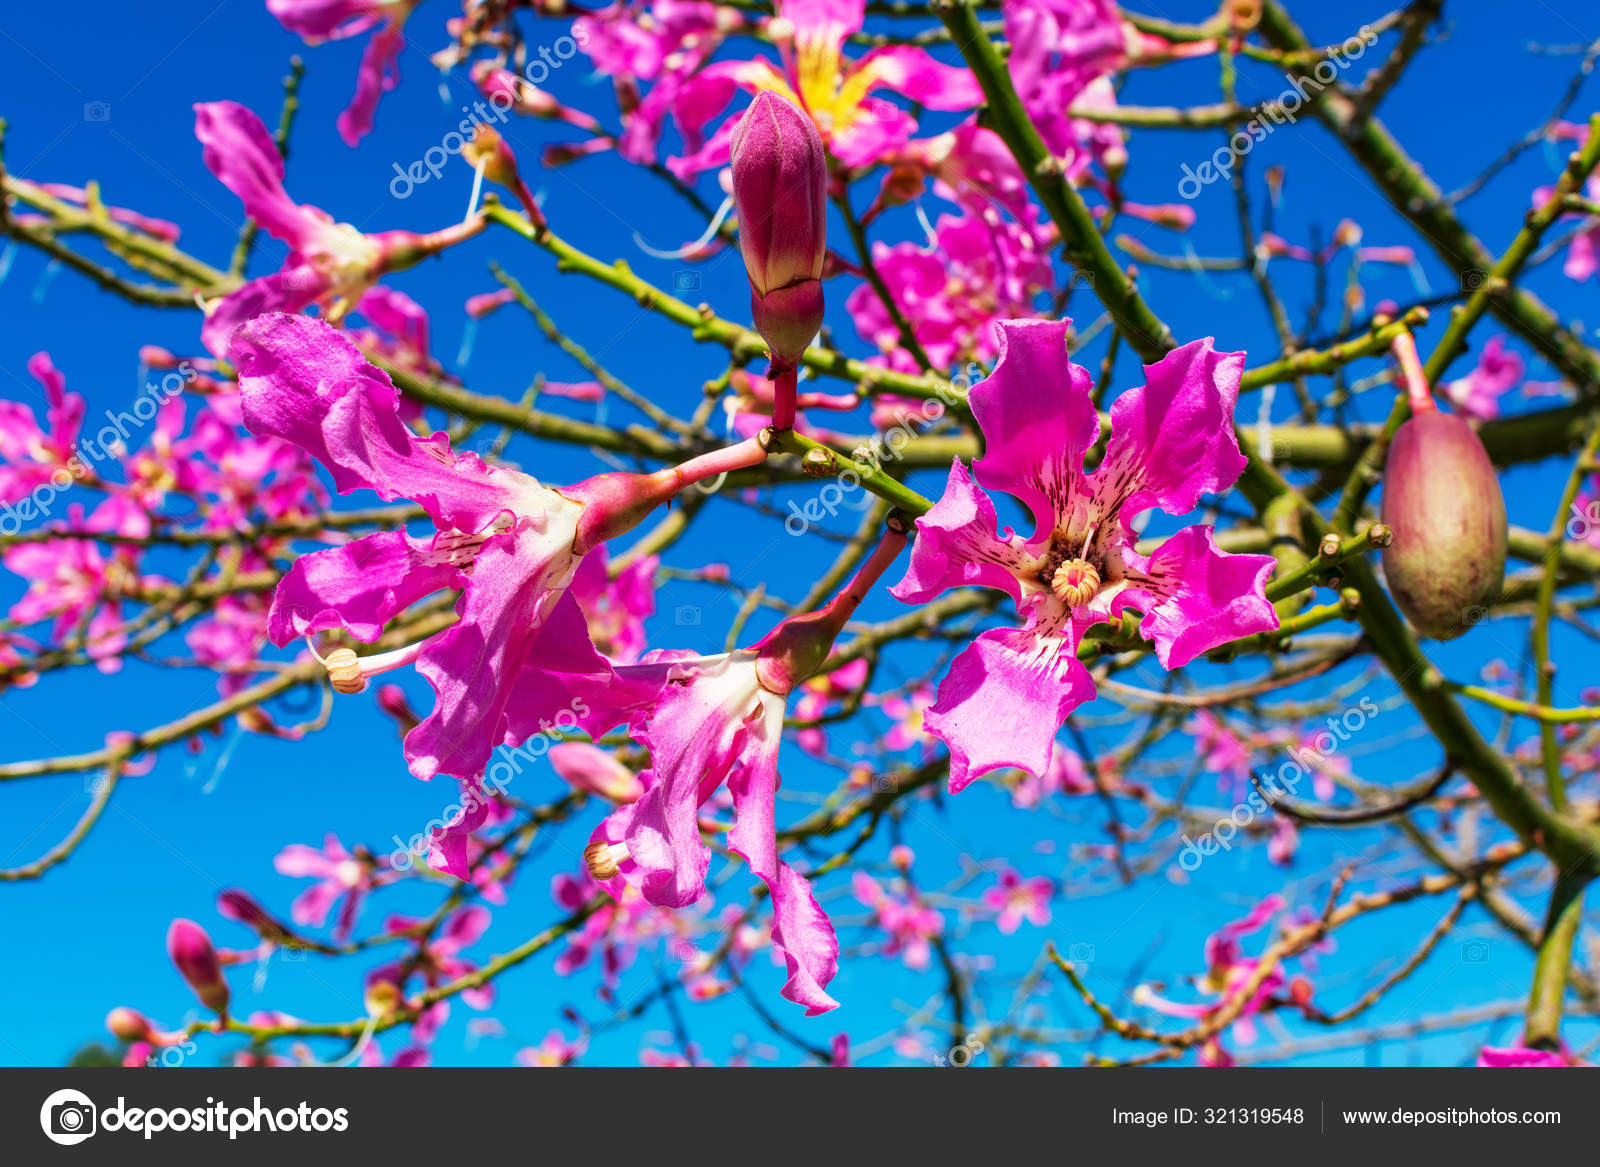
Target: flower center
x=1075, y=582
x=1072, y=578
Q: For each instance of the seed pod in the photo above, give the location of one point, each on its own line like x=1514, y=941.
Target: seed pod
x=1442, y=500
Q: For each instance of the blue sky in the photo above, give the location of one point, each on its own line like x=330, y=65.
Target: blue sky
x=90, y=935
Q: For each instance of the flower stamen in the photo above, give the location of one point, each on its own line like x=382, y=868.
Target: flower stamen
x=602, y=859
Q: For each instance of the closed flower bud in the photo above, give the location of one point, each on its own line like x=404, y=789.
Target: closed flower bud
x=128, y=1024
x=779, y=187
x=1442, y=500
x=191, y=950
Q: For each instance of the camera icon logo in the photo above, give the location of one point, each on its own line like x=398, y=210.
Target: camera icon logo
x=684, y=280
x=68, y=1117
x=1475, y=952
x=686, y=616
x=96, y=111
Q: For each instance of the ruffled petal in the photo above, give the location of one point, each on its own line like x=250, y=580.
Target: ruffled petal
x=1005, y=698
x=473, y=665
x=379, y=73
x=915, y=73
x=288, y=290
x=359, y=587
x=1172, y=440
x=307, y=383
x=801, y=930
x=696, y=736
x=324, y=19
x=1038, y=420
x=448, y=849
x=956, y=546
x=1195, y=597
x=310, y=908
x=568, y=683
x=237, y=148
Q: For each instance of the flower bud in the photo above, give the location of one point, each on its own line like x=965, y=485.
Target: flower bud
x=191, y=950
x=393, y=701
x=1442, y=500
x=128, y=1024
x=779, y=187
x=588, y=767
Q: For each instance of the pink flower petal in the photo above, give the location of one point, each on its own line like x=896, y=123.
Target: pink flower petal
x=1005, y=698
x=1196, y=597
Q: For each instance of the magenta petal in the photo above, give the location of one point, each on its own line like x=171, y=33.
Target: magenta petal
x=238, y=149
x=379, y=73
x=398, y=314
x=359, y=587
x=324, y=19
x=800, y=929
x=567, y=683
x=447, y=848
x=1195, y=597
x=311, y=907
x=956, y=546
x=1172, y=440
x=1005, y=698
x=696, y=736
x=474, y=664
x=1037, y=418
x=288, y=290
x=916, y=74
x=307, y=383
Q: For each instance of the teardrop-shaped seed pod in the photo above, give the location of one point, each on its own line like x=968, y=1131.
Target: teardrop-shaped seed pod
x=1442, y=499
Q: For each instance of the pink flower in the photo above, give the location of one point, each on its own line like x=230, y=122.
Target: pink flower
x=1477, y=395
x=73, y=585
x=519, y=657
x=399, y=332
x=859, y=129
x=909, y=714
x=714, y=724
x=554, y=1050
x=1583, y=253
x=817, y=694
x=320, y=20
x=1015, y=899
x=718, y=722
x=910, y=924
x=32, y=456
x=1221, y=750
x=660, y=41
x=437, y=961
x=976, y=273
x=342, y=878
x=1228, y=971
x=616, y=608
x=1066, y=774
x=1009, y=692
x=1062, y=53
x=330, y=264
